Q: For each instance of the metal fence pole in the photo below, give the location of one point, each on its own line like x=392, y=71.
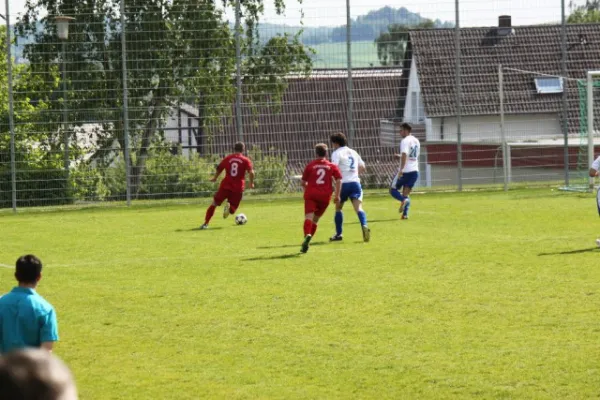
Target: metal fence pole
x=125, y=102
x=11, y=120
x=458, y=96
x=238, y=72
x=349, y=83
x=565, y=127
x=64, y=107
x=590, y=123
x=502, y=130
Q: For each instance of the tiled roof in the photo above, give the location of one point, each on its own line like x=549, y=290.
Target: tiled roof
x=312, y=108
x=529, y=48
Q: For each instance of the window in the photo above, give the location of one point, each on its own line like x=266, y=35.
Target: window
x=549, y=84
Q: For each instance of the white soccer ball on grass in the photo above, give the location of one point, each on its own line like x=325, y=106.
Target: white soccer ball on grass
x=241, y=219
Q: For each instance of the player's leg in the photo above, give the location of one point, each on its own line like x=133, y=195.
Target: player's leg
x=210, y=211
x=402, y=187
x=339, y=214
x=227, y=207
x=234, y=200
x=395, y=189
x=410, y=181
x=322, y=205
x=362, y=218
x=310, y=206
x=356, y=197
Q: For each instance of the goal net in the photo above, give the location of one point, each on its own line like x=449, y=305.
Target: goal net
x=586, y=123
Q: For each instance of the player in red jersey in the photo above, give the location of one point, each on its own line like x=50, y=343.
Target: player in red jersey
x=317, y=180
x=232, y=186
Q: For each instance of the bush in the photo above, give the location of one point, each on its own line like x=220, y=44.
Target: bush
x=87, y=184
x=167, y=176
x=270, y=170
x=36, y=186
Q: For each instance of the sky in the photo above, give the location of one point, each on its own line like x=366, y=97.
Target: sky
x=472, y=12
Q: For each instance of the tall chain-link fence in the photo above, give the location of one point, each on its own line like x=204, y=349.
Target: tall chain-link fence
x=139, y=99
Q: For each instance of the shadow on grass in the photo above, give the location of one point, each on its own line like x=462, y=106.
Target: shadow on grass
x=286, y=246
x=590, y=249
x=371, y=221
x=278, y=257
x=198, y=229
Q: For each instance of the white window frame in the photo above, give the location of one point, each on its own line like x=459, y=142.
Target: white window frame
x=547, y=88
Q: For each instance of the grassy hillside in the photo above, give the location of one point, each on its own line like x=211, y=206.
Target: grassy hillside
x=333, y=55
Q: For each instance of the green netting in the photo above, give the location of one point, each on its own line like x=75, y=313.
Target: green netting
x=580, y=181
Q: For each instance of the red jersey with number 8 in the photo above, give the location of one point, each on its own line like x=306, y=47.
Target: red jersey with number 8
x=319, y=175
x=235, y=166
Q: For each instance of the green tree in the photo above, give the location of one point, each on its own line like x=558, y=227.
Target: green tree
x=584, y=14
x=177, y=50
x=391, y=45
x=33, y=147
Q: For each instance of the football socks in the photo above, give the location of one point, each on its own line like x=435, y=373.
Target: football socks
x=339, y=220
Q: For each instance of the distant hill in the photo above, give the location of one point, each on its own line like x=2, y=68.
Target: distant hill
x=364, y=28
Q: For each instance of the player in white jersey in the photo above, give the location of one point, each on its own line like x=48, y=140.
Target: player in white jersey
x=350, y=164
x=594, y=172
x=408, y=173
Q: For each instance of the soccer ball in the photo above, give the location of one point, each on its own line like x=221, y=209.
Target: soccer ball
x=241, y=219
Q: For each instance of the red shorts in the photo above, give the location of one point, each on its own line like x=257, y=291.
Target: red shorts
x=234, y=198
x=317, y=205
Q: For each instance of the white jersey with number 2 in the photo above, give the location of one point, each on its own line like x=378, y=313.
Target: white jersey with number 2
x=347, y=161
x=410, y=146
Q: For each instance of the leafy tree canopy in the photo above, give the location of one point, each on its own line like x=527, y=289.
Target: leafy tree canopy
x=177, y=51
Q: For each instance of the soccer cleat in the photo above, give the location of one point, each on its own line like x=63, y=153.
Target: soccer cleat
x=204, y=227
x=404, y=216
x=226, y=211
x=598, y=242
x=366, y=233
x=304, y=247
x=336, y=238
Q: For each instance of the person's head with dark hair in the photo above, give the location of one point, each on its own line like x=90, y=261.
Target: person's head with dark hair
x=321, y=150
x=338, y=139
x=35, y=374
x=405, y=129
x=239, y=147
x=28, y=270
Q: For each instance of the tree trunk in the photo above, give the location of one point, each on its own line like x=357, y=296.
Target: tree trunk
x=200, y=133
x=137, y=170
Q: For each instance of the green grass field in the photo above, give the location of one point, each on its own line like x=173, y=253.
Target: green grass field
x=478, y=296
x=333, y=55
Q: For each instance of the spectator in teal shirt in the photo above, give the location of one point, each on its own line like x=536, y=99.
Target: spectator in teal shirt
x=26, y=319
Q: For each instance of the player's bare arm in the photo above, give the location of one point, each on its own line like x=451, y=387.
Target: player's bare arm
x=251, y=175
x=593, y=173
x=214, y=178
x=403, y=158
x=362, y=169
x=338, y=189
x=48, y=346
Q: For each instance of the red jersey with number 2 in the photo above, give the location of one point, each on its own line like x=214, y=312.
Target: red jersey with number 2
x=235, y=166
x=319, y=175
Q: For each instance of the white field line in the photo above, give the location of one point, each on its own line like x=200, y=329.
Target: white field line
x=6, y=266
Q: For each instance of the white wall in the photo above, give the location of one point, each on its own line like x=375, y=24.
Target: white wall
x=487, y=128
x=413, y=96
x=172, y=132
